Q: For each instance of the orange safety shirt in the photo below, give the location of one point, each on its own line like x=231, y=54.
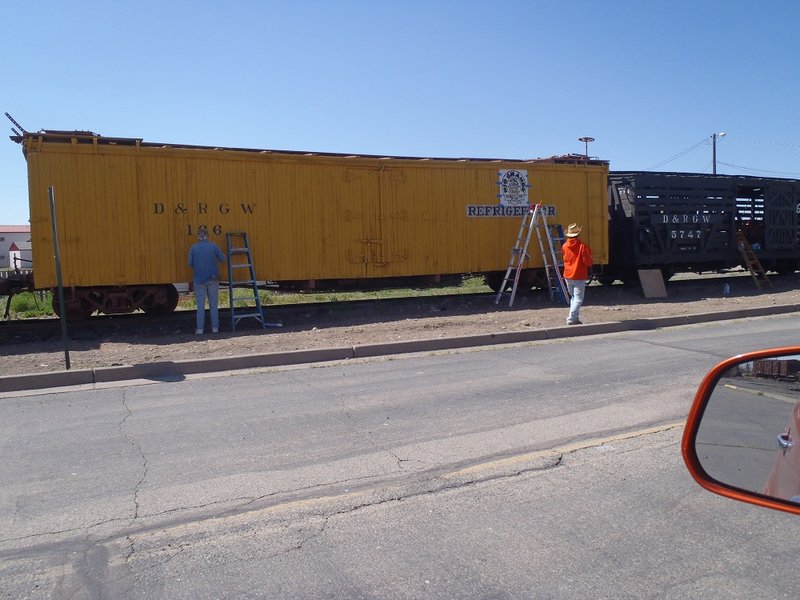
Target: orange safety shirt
x=577, y=259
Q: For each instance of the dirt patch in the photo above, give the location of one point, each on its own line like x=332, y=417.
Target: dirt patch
x=350, y=324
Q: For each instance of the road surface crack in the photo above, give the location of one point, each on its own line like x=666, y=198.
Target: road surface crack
x=368, y=436
x=129, y=413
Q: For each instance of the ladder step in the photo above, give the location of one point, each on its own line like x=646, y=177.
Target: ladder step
x=238, y=245
x=751, y=261
x=535, y=220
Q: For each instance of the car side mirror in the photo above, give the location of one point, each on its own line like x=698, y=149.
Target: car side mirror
x=742, y=437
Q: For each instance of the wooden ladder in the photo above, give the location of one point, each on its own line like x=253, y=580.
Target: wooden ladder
x=751, y=261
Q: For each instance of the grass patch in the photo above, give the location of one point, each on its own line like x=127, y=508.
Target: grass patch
x=468, y=285
x=243, y=297
x=40, y=304
x=28, y=305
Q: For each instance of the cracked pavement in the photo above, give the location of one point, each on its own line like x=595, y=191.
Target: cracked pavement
x=156, y=490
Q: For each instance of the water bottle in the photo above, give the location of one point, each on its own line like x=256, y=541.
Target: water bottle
x=726, y=290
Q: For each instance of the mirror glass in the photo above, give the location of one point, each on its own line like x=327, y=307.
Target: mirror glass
x=748, y=436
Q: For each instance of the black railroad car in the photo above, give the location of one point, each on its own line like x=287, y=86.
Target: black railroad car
x=687, y=222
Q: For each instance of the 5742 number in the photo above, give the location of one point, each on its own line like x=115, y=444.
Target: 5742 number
x=685, y=234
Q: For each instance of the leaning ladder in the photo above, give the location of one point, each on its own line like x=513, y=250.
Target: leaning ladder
x=555, y=278
x=240, y=257
x=534, y=220
x=551, y=256
x=751, y=261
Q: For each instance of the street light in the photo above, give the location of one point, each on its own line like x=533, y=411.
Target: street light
x=714, y=137
x=586, y=141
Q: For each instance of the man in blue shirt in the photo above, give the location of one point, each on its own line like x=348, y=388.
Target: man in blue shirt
x=203, y=258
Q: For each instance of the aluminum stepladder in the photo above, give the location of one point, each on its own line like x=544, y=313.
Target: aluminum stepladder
x=240, y=257
x=555, y=276
x=535, y=220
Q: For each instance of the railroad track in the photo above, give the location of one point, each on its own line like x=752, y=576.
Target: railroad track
x=352, y=312
x=182, y=321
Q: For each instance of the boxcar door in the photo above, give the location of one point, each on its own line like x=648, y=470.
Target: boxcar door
x=357, y=221
x=781, y=205
x=392, y=226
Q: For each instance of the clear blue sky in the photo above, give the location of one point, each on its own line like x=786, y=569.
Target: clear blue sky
x=507, y=79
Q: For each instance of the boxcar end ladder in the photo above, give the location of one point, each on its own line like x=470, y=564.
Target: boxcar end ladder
x=751, y=261
x=535, y=220
x=240, y=257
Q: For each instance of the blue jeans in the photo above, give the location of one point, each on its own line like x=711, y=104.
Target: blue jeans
x=208, y=290
x=575, y=287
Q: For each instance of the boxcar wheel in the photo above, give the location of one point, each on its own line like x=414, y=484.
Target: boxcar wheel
x=527, y=279
x=77, y=310
x=167, y=306
x=629, y=278
x=606, y=280
x=494, y=280
x=785, y=266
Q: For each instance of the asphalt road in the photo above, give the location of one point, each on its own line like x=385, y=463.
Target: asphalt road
x=548, y=470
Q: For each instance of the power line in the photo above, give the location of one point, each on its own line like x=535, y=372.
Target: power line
x=784, y=144
x=758, y=170
x=706, y=167
x=705, y=141
x=678, y=155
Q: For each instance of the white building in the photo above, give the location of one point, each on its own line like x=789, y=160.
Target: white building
x=20, y=237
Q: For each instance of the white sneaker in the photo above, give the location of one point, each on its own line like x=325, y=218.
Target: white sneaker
x=215, y=330
x=198, y=332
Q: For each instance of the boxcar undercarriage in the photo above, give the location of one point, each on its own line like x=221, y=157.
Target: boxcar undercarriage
x=80, y=303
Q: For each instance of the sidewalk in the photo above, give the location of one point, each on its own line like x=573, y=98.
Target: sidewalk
x=172, y=370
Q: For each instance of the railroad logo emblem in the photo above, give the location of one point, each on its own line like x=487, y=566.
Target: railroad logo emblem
x=513, y=184
x=513, y=195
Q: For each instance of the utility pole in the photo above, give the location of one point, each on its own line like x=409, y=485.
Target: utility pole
x=714, y=137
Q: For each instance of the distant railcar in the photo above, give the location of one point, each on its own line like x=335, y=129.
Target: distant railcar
x=688, y=222
x=127, y=212
x=776, y=369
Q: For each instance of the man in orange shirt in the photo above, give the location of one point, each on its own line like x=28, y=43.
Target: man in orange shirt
x=577, y=260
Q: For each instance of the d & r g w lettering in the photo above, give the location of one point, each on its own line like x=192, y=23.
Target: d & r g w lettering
x=201, y=208
x=682, y=219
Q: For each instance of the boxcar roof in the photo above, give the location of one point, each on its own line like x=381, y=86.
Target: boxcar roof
x=665, y=175
x=89, y=137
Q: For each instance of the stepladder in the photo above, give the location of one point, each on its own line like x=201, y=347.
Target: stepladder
x=549, y=238
x=242, y=275
x=556, y=284
x=751, y=261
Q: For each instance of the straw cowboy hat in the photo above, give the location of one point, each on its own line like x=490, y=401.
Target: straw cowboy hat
x=573, y=230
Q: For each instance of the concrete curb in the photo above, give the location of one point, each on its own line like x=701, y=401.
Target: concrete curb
x=168, y=370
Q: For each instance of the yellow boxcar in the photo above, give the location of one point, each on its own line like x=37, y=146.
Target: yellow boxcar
x=127, y=211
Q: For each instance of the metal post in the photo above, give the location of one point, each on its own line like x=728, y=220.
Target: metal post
x=713, y=153
x=714, y=137
x=51, y=190
x=586, y=139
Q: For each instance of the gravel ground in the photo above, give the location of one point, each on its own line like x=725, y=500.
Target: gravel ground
x=351, y=324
